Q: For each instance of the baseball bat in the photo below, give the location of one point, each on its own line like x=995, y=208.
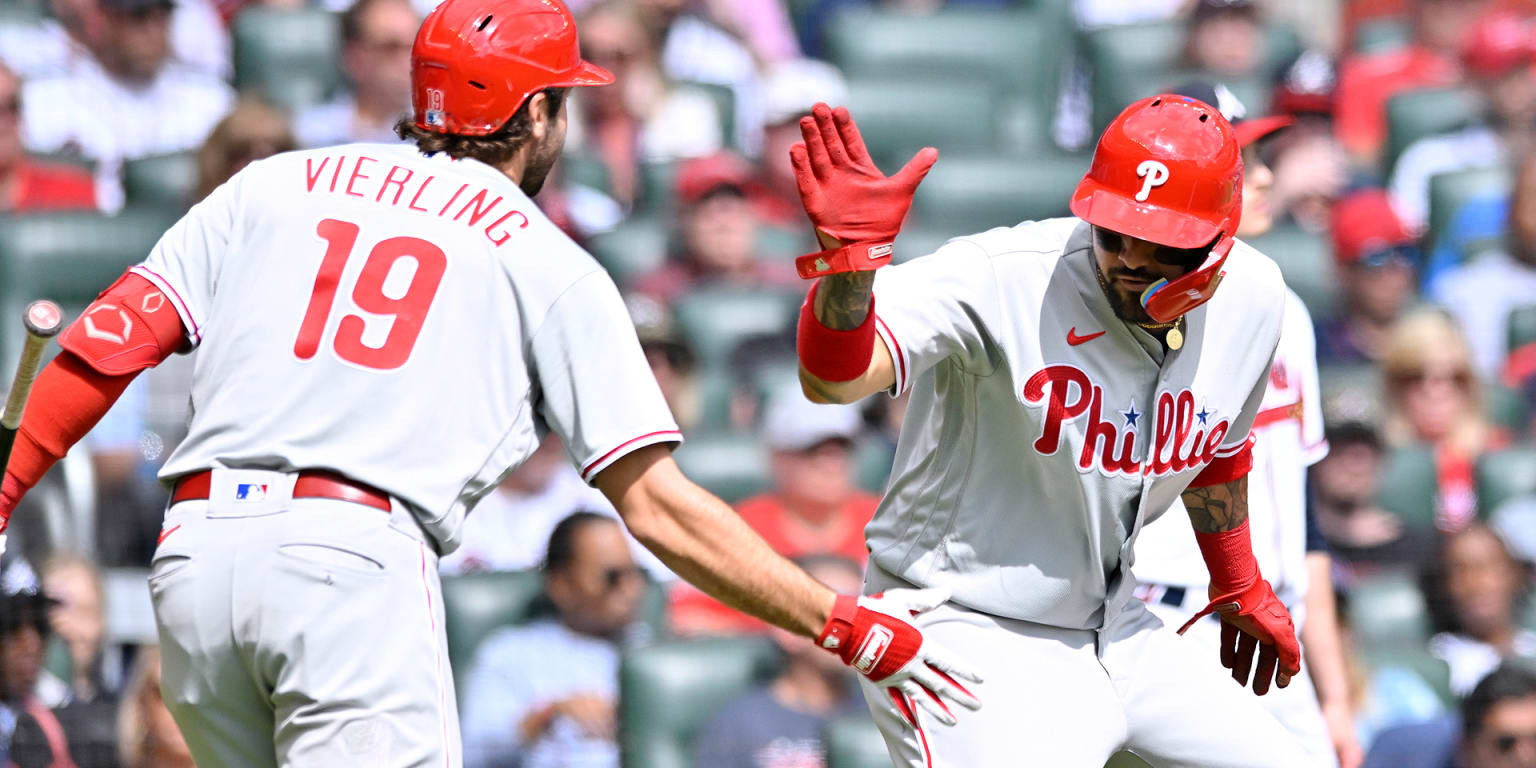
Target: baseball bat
x=43, y=320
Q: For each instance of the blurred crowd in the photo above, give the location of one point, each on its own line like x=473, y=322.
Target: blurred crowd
x=1404, y=202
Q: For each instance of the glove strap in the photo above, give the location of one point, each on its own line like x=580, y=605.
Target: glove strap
x=857, y=257
x=837, y=635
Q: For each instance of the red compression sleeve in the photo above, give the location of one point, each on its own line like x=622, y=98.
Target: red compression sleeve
x=832, y=355
x=67, y=400
x=1229, y=557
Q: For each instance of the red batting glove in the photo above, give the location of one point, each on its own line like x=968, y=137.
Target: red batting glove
x=876, y=637
x=846, y=196
x=1251, y=616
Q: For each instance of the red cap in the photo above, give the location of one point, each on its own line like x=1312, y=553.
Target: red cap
x=699, y=176
x=1498, y=43
x=1366, y=222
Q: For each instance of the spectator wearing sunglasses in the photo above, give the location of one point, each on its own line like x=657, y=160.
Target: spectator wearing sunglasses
x=27, y=185
x=1375, y=258
x=1499, y=721
x=562, y=710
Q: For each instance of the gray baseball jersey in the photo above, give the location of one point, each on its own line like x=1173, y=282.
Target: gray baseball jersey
x=410, y=322
x=1042, y=430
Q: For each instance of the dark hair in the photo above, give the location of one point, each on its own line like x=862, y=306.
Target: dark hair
x=24, y=609
x=492, y=149
x=352, y=18
x=1432, y=579
x=1353, y=432
x=1509, y=681
x=562, y=540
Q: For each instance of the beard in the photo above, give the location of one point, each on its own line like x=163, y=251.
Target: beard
x=540, y=163
x=1126, y=304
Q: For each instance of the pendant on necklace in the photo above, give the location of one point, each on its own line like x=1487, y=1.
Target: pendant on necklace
x=1174, y=339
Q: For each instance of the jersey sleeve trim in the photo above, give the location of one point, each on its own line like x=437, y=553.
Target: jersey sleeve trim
x=193, y=328
x=1312, y=454
x=592, y=468
x=897, y=355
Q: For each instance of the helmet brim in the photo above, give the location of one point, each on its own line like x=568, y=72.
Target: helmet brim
x=1103, y=207
x=589, y=74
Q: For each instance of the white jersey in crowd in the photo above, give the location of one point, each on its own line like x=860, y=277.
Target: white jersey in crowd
x=1043, y=431
x=411, y=322
x=1288, y=436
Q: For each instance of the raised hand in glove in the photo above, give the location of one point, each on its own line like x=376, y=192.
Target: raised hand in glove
x=876, y=637
x=848, y=199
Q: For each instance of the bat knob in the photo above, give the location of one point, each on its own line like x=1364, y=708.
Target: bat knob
x=43, y=318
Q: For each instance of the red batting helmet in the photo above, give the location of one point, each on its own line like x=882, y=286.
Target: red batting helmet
x=1168, y=170
x=476, y=61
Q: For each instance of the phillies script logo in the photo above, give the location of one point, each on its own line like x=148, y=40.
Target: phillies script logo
x=1185, y=438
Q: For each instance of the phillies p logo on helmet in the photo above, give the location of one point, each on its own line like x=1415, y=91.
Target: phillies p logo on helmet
x=1155, y=174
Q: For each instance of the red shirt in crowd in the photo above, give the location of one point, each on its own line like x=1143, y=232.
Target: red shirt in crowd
x=1367, y=82
x=51, y=187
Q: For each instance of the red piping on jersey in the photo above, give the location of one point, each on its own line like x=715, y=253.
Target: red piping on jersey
x=624, y=445
x=908, y=711
x=182, y=305
x=901, y=358
x=1280, y=413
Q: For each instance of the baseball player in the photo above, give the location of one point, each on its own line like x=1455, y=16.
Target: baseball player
x=1070, y=379
x=384, y=330
x=1288, y=438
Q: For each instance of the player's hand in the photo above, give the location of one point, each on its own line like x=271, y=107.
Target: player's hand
x=597, y=716
x=1254, y=619
x=876, y=637
x=1341, y=732
x=846, y=196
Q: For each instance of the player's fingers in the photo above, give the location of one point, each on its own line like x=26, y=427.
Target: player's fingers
x=945, y=686
x=919, y=600
x=1242, y=662
x=926, y=699
x=940, y=659
x=853, y=141
x=1266, y=671
x=918, y=167
x=1229, y=635
x=815, y=148
x=824, y=123
x=805, y=177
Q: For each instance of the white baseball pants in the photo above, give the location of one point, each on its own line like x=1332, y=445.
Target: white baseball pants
x=302, y=632
x=1066, y=698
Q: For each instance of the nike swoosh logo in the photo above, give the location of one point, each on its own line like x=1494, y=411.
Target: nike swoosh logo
x=1074, y=339
x=166, y=533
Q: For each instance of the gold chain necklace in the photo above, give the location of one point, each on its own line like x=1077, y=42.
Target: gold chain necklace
x=1174, y=337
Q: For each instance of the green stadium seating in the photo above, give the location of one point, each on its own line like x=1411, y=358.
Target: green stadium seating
x=585, y=170
x=784, y=244
x=287, y=56
x=1408, y=485
x=161, y=181
x=633, y=248
x=1126, y=760
x=964, y=194
x=1387, y=612
x=955, y=116
x=1421, y=112
x=716, y=388
x=667, y=691
x=1382, y=34
x=1504, y=475
x=715, y=320
x=918, y=240
x=731, y=466
x=873, y=459
x=1306, y=262
x=1448, y=192
x=855, y=742
x=1522, y=326
x=1505, y=406
x=1433, y=671
x=658, y=187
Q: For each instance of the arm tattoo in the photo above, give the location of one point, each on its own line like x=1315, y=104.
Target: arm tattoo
x=1217, y=508
x=843, y=299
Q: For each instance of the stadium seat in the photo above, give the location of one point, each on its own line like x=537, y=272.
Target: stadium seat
x=1433, y=671
x=1381, y=35
x=1522, y=327
x=287, y=56
x=667, y=691
x=1408, y=486
x=1448, y=192
x=1387, y=612
x=784, y=244
x=855, y=742
x=581, y=169
x=724, y=99
x=1306, y=262
x=731, y=466
x=633, y=248
x=1505, y=406
x=715, y=389
x=872, y=460
x=715, y=320
x=658, y=187
x=954, y=117
x=916, y=239
x=965, y=194
x=161, y=181
x=1422, y=112
x=1503, y=475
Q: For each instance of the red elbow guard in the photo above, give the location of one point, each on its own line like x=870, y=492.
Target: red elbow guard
x=130, y=327
x=832, y=355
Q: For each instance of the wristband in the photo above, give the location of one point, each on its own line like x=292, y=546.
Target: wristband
x=857, y=257
x=1229, y=558
x=832, y=355
x=839, y=625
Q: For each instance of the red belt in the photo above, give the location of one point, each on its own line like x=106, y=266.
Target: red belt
x=312, y=484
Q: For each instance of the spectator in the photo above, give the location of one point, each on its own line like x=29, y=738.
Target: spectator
x=671, y=359
x=1376, y=257
x=78, y=618
x=780, y=724
x=814, y=507
x=1497, y=57
x=1224, y=37
x=764, y=25
x=1367, y=81
x=376, y=39
x=1383, y=698
x=1092, y=14
x=561, y=711
x=1474, y=588
x=643, y=117
x=26, y=185
x=1481, y=294
x=29, y=727
x=693, y=48
x=719, y=234
x=1310, y=168
x=128, y=100
x=791, y=89
x=1434, y=398
x=147, y=736
x=1364, y=539
x=251, y=131
x=57, y=43
x=1499, y=721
